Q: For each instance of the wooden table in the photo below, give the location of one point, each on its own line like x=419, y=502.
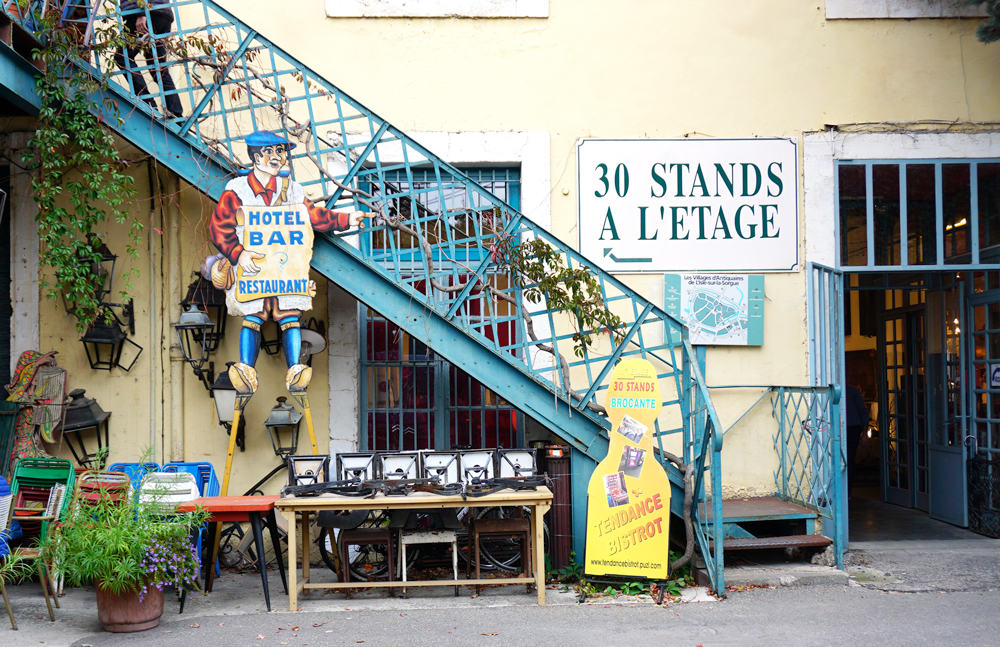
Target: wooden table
x=539, y=500
x=241, y=509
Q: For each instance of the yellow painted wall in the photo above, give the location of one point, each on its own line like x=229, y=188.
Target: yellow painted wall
x=636, y=69
x=151, y=410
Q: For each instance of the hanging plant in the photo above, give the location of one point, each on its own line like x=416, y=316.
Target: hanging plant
x=80, y=180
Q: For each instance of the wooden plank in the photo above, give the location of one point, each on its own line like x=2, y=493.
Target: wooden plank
x=416, y=500
x=786, y=541
x=483, y=581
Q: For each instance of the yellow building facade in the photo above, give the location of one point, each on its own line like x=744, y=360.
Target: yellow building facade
x=518, y=85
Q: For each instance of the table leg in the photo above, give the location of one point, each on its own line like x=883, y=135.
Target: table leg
x=272, y=525
x=537, y=512
x=305, y=547
x=293, y=566
x=216, y=530
x=258, y=542
x=402, y=546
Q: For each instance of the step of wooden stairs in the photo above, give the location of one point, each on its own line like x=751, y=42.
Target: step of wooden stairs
x=739, y=514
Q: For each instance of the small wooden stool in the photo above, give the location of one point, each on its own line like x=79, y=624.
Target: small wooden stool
x=430, y=537
x=362, y=537
x=518, y=528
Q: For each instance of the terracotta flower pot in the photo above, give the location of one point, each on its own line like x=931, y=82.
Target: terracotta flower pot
x=123, y=612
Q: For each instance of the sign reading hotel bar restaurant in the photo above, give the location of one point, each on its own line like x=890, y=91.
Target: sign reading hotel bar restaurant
x=628, y=498
x=284, y=235
x=656, y=205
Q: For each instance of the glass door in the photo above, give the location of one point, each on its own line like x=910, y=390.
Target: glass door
x=983, y=440
x=946, y=452
x=903, y=401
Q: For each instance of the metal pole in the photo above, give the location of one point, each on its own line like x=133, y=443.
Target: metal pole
x=303, y=401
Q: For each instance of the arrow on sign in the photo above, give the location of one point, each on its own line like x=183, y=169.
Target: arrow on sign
x=607, y=252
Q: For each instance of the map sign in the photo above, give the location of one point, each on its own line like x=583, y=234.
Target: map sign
x=718, y=309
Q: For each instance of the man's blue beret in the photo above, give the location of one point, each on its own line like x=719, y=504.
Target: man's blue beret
x=267, y=138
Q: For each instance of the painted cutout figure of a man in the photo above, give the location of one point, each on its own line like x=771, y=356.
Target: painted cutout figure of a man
x=263, y=226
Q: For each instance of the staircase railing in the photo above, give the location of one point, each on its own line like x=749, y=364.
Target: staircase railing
x=811, y=459
x=440, y=241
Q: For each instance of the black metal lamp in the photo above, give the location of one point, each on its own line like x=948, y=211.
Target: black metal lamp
x=105, y=342
x=84, y=417
x=212, y=300
x=226, y=401
x=192, y=335
x=283, y=428
x=104, y=268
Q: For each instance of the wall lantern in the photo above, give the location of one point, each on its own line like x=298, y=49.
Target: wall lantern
x=212, y=301
x=283, y=428
x=226, y=401
x=192, y=335
x=84, y=417
x=105, y=341
x=104, y=268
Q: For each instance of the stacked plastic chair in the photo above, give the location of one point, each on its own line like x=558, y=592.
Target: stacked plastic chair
x=208, y=485
x=6, y=536
x=204, y=473
x=57, y=496
x=135, y=471
x=32, y=484
x=166, y=490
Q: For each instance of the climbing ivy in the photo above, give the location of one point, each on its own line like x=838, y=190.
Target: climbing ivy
x=80, y=181
x=539, y=269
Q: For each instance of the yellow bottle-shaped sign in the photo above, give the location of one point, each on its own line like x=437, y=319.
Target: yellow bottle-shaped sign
x=628, y=506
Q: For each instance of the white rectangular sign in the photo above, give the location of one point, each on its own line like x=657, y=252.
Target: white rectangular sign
x=657, y=205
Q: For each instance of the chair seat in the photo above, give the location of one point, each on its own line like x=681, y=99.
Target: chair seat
x=497, y=526
x=429, y=537
x=366, y=535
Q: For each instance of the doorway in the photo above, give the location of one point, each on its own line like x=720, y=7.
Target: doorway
x=928, y=345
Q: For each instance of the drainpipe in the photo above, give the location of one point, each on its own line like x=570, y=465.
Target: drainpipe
x=153, y=255
x=172, y=298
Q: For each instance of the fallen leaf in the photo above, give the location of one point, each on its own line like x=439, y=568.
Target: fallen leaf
x=318, y=624
x=295, y=628
x=194, y=625
x=222, y=624
x=260, y=636
x=283, y=642
x=492, y=633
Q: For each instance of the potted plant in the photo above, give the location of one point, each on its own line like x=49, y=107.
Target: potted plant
x=129, y=550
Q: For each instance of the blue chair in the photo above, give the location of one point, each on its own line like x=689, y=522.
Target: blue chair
x=208, y=485
x=135, y=471
x=204, y=474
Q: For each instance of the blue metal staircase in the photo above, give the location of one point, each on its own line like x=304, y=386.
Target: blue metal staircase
x=431, y=263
